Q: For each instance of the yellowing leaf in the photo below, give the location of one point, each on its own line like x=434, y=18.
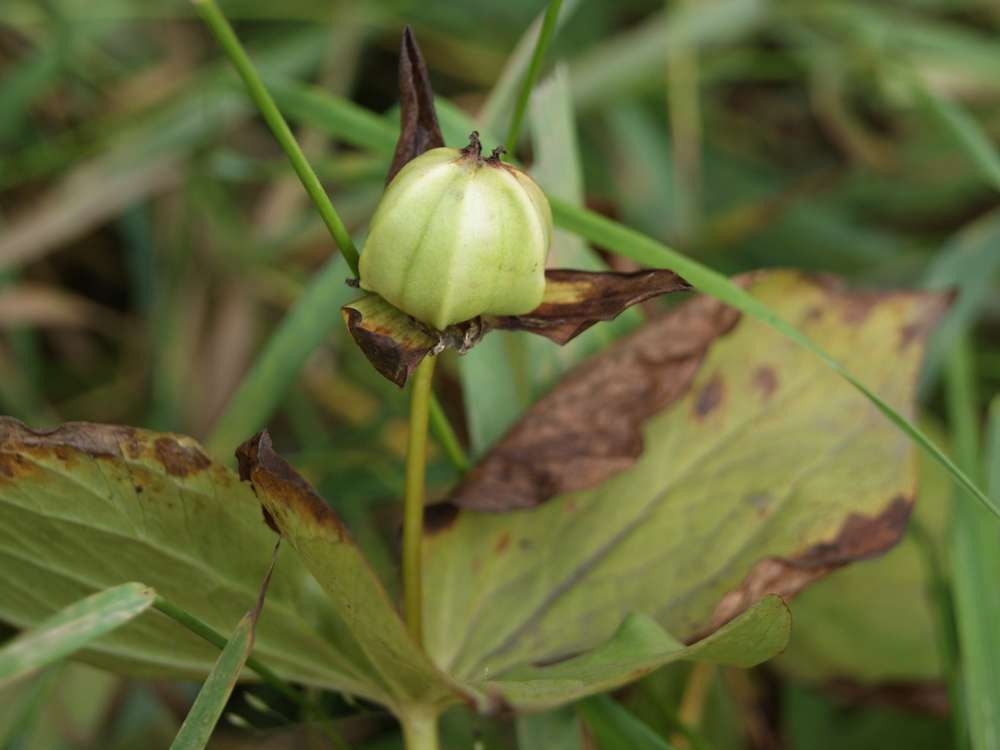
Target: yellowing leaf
x=763, y=473
x=85, y=507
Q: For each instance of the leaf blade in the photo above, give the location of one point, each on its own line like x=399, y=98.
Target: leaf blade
x=72, y=629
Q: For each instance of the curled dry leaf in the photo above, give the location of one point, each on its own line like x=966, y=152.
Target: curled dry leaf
x=418, y=129
x=574, y=301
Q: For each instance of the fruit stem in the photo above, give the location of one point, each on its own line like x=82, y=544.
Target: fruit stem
x=413, y=502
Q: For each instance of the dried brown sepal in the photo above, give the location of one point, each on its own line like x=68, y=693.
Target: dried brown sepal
x=393, y=341
x=418, y=124
x=590, y=427
x=576, y=300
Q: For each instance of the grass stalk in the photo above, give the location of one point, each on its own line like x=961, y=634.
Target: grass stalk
x=544, y=37
x=223, y=31
x=205, y=631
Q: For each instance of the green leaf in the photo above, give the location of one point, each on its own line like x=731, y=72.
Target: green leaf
x=615, y=728
x=392, y=660
x=72, y=629
x=85, y=507
x=763, y=473
x=200, y=721
x=637, y=648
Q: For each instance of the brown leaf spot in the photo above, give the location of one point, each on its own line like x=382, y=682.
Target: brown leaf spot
x=860, y=537
x=765, y=380
x=282, y=489
x=590, y=426
x=179, y=460
x=502, y=543
x=13, y=466
x=709, y=397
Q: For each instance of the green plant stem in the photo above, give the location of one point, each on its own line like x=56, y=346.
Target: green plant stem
x=227, y=38
x=199, y=628
x=419, y=728
x=446, y=436
x=413, y=503
x=544, y=37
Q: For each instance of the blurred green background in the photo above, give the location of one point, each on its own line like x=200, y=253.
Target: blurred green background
x=152, y=236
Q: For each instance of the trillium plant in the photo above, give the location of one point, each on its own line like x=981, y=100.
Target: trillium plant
x=663, y=500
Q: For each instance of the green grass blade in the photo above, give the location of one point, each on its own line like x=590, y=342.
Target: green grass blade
x=315, y=315
x=968, y=263
x=551, y=730
x=965, y=131
x=72, y=629
x=534, y=68
x=224, y=33
x=615, y=728
x=494, y=114
x=200, y=722
x=975, y=552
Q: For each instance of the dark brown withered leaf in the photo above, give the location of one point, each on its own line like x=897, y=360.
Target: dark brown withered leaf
x=418, y=124
x=589, y=427
x=576, y=300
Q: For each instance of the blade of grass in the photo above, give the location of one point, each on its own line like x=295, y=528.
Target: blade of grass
x=226, y=37
x=631, y=244
x=968, y=263
x=199, y=628
x=494, y=114
x=964, y=130
x=615, y=728
x=534, y=68
x=200, y=722
x=975, y=553
x=307, y=325
x=552, y=730
x=72, y=629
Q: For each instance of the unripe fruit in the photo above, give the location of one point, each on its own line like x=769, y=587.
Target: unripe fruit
x=456, y=236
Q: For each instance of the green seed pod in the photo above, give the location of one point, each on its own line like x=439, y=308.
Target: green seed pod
x=456, y=236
